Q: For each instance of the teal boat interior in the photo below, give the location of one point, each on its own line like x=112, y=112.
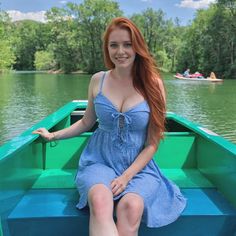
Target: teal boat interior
x=38, y=194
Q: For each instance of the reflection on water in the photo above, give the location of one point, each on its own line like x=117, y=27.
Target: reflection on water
x=212, y=105
x=26, y=98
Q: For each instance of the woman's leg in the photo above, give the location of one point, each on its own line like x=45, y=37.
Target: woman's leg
x=129, y=213
x=101, y=204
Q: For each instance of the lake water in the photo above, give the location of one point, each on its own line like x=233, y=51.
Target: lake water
x=26, y=98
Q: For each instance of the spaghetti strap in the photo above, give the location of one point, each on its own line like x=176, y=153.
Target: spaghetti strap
x=101, y=84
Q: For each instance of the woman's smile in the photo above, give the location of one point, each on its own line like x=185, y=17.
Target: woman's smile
x=122, y=59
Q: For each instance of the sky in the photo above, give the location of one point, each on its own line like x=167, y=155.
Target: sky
x=35, y=9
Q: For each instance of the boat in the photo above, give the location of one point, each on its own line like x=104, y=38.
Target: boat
x=38, y=195
x=208, y=79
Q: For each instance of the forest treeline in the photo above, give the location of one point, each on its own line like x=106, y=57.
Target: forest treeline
x=71, y=39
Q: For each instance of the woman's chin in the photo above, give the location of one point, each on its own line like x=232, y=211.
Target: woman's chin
x=123, y=65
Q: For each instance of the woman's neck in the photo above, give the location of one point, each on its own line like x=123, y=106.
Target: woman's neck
x=122, y=74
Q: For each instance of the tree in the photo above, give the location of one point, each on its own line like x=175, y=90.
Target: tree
x=64, y=46
x=161, y=36
x=152, y=25
x=229, y=9
x=44, y=60
x=7, y=56
x=26, y=42
x=77, y=32
x=93, y=16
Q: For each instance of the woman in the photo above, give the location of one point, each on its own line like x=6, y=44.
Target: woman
x=116, y=165
x=212, y=75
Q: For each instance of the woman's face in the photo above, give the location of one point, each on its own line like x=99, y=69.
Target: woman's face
x=120, y=48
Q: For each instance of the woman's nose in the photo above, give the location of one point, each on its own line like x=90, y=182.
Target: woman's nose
x=120, y=49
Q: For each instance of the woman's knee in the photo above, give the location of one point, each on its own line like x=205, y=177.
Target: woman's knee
x=100, y=201
x=132, y=206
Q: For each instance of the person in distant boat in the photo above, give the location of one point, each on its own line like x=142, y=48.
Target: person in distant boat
x=117, y=163
x=187, y=73
x=212, y=75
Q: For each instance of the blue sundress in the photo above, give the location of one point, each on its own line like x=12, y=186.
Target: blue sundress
x=112, y=148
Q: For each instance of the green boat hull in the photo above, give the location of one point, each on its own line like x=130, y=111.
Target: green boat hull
x=38, y=194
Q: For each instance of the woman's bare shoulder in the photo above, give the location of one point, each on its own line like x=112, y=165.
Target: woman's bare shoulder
x=95, y=82
x=97, y=76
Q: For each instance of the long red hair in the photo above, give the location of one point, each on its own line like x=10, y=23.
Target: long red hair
x=146, y=77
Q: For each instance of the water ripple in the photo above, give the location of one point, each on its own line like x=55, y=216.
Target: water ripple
x=25, y=99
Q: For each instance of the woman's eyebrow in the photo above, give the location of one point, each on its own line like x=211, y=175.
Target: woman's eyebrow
x=128, y=41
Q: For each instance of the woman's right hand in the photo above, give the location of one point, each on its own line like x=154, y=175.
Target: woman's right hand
x=44, y=134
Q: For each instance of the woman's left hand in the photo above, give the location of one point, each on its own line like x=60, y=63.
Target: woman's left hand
x=118, y=185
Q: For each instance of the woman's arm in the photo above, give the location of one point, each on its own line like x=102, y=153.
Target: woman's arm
x=119, y=184
x=140, y=162
x=80, y=126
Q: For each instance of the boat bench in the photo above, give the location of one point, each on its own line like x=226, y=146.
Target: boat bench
x=49, y=208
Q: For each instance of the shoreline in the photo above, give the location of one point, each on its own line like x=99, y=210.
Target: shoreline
x=40, y=72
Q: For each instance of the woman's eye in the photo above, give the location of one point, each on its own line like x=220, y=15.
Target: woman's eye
x=113, y=45
x=127, y=45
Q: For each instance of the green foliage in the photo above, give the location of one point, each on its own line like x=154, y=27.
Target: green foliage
x=44, y=60
x=93, y=16
x=77, y=32
x=4, y=17
x=7, y=56
x=152, y=24
x=72, y=39
x=65, y=46
x=163, y=60
x=210, y=43
x=161, y=36
x=26, y=41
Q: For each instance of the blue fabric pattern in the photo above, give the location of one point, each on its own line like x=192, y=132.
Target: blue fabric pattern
x=112, y=148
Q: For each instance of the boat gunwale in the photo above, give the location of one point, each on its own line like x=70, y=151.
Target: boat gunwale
x=25, y=138
x=204, y=132
x=207, y=79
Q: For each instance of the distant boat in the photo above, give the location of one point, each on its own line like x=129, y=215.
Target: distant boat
x=208, y=79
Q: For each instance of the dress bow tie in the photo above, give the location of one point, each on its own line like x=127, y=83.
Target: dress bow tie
x=122, y=122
